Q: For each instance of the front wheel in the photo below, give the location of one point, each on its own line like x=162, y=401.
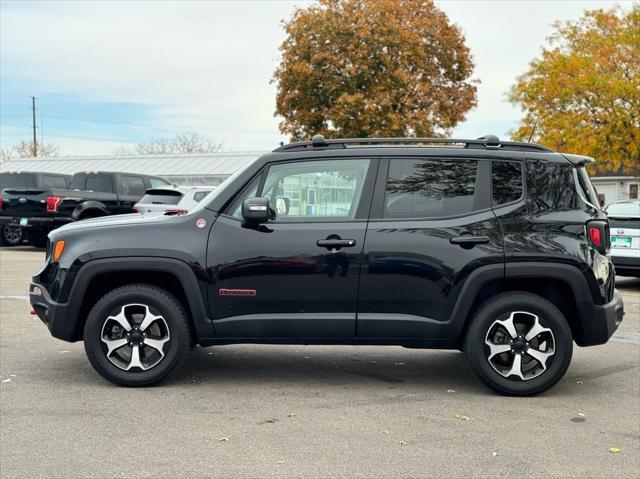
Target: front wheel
x=518, y=344
x=136, y=335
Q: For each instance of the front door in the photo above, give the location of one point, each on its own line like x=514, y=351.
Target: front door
x=431, y=225
x=297, y=275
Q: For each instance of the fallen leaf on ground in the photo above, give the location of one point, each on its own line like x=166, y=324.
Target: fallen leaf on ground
x=403, y=443
x=581, y=415
x=291, y=414
x=451, y=390
x=462, y=418
x=495, y=454
x=281, y=462
x=614, y=449
x=224, y=439
x=579, y=382
x=385, y=431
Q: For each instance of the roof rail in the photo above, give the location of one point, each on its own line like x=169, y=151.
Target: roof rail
x=487, y=141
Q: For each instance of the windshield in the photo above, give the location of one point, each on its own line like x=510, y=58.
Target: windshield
x=624, y=210
x=17, y=180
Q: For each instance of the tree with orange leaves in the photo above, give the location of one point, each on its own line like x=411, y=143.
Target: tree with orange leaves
x=583, y=94
x=360, y=68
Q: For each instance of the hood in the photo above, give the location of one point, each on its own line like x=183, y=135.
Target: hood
x=113, y=221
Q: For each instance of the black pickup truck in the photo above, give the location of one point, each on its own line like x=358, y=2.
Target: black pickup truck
x=39, y=210
x=12, y=234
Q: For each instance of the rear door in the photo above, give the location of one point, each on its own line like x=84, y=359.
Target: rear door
x=431, y=225
x=297, y=275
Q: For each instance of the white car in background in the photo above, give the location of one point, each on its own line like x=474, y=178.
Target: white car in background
x=624, y=221
x=171, y=199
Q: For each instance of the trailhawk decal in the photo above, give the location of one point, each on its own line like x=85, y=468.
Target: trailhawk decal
x=236, y=292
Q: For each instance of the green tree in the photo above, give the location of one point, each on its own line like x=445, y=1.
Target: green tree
x=583, y=93
x=359, y=68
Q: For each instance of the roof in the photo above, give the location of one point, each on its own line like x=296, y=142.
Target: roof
x=221, y=163
x=486, y=142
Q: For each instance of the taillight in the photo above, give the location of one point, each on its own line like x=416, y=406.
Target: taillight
x=52, y=203
x=134, y=210
x=598, y=233
x=595, y=235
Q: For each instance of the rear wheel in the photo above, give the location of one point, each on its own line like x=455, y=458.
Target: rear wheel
x=519, y=344
x=136, y=335
x=12, y=235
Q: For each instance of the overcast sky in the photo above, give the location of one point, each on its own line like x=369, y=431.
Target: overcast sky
x=110, y=74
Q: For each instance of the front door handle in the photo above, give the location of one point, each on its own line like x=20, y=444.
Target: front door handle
x=334, y=244
x=469, y=241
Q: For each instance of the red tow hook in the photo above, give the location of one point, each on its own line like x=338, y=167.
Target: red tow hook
x=32, y=312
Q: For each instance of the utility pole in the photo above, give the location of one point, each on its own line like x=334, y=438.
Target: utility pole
x=35, y=141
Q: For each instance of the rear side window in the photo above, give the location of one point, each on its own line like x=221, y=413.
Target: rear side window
x=161, y=197
x=131, y=185
x=506, y=182
x=100, y=183
x=17, y=180
x=50, y=181
x=420, y=188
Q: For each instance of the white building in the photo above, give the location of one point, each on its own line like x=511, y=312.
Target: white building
x=615, y=186
x=183, y=169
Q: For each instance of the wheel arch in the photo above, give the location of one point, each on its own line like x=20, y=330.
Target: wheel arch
x=98, y=277
x=89, y=206
x=565, y=286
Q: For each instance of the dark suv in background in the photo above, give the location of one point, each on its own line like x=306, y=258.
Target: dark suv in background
x=496, y=248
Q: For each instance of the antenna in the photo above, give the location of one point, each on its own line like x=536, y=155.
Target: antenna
x=533, y=130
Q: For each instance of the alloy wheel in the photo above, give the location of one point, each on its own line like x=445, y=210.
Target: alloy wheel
x=135, y=338
x=12, y=234
x=520, y=346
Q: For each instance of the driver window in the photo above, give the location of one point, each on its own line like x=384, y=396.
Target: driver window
x=316, y=189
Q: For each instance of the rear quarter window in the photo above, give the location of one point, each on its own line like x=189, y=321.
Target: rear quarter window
x=506, y=177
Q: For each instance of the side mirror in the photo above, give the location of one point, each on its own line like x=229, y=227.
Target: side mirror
x=256, y=210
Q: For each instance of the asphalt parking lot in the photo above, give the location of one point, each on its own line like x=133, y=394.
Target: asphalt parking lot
x=291, y=411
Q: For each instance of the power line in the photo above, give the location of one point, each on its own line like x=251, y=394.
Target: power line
x=33, y=112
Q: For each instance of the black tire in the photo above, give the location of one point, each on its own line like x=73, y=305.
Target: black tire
x=125, y=298
x=11, y=235
x=501, y=308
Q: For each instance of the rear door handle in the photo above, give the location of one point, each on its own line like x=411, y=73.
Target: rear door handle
x=336, y=243
x=469, y=240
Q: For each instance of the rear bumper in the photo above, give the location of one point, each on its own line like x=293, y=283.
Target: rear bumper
x=599, y=321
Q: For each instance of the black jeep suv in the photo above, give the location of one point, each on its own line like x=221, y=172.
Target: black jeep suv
x=496, y=248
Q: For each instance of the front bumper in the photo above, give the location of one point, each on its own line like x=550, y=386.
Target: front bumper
x=47, y=293
x=598, y=322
